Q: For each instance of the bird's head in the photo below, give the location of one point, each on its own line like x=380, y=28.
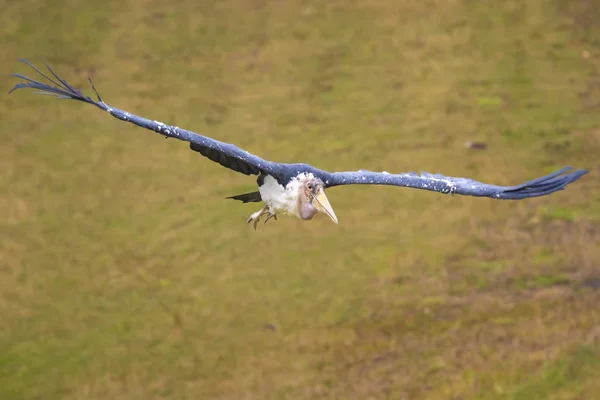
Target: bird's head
x=312, y=199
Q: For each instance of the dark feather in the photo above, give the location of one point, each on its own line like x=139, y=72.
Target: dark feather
x=230, y=162
x=253, y=197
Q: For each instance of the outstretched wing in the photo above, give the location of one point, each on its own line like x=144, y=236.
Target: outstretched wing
x=449, y=185
x=239, y=160
x=226, y=154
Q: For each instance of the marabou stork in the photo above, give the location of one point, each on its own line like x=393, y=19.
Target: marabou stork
x=299, y=189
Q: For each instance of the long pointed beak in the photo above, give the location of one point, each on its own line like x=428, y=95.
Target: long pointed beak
x=321, y=203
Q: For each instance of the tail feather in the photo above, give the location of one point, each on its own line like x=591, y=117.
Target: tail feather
x=253, y=197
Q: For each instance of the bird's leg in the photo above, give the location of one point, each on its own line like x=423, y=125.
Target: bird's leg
x=255, y=217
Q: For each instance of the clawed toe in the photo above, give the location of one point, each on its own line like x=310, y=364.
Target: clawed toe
x=254, y=220
x=274, y=216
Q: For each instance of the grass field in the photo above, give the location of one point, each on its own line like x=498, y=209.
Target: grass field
x=125, y=274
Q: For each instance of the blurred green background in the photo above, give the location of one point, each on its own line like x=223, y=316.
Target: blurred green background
x=125, y=274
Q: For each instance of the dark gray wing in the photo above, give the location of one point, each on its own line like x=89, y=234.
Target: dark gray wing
x=226, y=154
x=450, y=185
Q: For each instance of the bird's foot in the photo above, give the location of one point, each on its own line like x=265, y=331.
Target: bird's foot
x=255, y=217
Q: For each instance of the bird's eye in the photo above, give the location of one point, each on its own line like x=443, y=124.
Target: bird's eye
x=310, y=186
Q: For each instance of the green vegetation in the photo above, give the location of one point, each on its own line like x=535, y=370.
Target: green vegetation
x=125, y=274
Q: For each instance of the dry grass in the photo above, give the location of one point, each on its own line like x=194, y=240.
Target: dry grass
x=124, y=273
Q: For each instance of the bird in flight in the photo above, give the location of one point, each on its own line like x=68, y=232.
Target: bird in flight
x=299, y=189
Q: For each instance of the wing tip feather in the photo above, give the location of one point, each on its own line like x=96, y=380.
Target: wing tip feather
x=57, y=87
x=544, y=185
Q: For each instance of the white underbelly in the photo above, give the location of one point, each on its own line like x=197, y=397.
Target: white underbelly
x=280, y=200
